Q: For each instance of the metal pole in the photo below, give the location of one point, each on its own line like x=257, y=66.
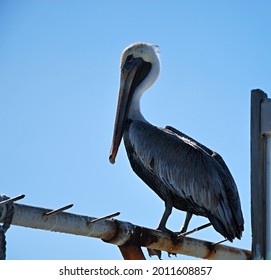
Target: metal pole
x=268, y=198
x=127, y=236
x=266, y=134
x=258, y=194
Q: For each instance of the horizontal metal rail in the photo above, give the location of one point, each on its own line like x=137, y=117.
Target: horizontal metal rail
x=123, y=234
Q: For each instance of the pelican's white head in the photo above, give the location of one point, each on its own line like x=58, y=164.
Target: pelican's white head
x=140, y=67
x=149, y=53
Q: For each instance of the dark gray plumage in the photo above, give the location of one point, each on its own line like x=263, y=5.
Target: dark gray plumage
x=185, y=174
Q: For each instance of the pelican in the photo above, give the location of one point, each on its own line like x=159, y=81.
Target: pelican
x=185, y=174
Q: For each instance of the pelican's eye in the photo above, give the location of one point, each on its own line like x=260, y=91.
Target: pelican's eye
x=129, y=58
x=129, y=62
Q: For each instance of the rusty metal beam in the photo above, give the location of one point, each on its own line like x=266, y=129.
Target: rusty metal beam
x=123, y=234
x=192, y=247
x=131, y=252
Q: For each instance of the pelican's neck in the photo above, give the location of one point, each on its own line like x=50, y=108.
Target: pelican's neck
x=134, y=112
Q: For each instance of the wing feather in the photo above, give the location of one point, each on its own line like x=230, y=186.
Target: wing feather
x=191, y=172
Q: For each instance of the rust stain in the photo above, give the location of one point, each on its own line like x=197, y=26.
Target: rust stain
x=152, y=239
x=211, y=250
x=131, y=252
x=145, y=237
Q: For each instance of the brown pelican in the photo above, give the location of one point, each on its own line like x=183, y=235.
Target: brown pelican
x=185, y=174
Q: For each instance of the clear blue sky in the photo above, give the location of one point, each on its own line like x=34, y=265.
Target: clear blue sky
x=59, y=77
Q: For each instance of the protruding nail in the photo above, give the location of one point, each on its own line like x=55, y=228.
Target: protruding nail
x=53, y=212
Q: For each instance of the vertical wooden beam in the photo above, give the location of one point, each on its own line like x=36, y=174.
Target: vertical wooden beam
x=258, y=202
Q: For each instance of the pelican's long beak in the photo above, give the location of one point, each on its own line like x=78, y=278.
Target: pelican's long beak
x=126, y=90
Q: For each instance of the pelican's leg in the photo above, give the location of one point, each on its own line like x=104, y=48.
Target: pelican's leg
x=162, y=227
x=186, y=222
x=166, y=214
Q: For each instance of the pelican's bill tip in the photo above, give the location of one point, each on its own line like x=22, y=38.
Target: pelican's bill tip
x=112, y=159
